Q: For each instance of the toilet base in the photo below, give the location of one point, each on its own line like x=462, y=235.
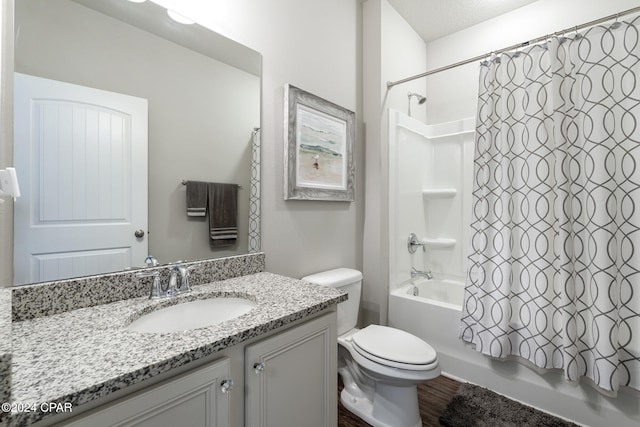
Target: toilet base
x=391, y=406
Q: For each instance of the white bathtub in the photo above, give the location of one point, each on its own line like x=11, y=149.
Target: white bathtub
x=434, y=315
x=446, y=293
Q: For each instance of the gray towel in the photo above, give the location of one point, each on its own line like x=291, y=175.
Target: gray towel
x=196, y=198
x=223, y=214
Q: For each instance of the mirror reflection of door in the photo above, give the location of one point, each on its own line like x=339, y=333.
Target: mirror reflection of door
x=81, y=159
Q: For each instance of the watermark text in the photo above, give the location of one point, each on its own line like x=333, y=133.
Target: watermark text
x=48, y=407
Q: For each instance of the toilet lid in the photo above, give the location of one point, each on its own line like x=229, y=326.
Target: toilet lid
x=393, y=347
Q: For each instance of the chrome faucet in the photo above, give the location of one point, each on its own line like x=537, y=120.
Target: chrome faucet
x=183, y=286
x=156, y=287
x=184, y=279
x=426, y=274
x=151, y=261
x=173, y=286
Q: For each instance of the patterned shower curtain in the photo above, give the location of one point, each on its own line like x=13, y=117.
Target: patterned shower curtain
x=554, y=255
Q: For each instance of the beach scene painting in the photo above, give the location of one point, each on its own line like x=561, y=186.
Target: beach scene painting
x=321, y=145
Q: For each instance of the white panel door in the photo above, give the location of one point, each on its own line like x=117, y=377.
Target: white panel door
x=81, y=158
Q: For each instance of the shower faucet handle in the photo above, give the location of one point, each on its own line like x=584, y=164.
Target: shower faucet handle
x=413, y=242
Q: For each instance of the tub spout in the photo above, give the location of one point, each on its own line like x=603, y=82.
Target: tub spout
x=426, y=274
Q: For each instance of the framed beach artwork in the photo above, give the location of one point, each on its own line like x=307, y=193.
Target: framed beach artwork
x=319, y=138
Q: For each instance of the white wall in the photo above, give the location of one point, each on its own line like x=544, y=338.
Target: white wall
x=316, y=46
x=392, y=50
x=452, y=95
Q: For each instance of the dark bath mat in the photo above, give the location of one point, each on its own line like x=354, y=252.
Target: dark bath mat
x=474, y=406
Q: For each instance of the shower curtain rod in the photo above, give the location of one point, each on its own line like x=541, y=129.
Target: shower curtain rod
x=515, y=46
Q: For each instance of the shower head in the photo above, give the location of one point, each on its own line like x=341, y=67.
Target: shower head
x=421, y=100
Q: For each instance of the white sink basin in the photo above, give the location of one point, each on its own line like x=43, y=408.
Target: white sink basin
x=192, y=315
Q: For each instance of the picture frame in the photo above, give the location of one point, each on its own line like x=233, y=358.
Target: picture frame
x=319, y=148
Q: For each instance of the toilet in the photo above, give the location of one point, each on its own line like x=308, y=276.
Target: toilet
x=379, y=366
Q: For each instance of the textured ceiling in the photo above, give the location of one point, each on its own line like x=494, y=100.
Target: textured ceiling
x=433, y=19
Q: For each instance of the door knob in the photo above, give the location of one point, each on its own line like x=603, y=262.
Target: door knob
x=139, y=233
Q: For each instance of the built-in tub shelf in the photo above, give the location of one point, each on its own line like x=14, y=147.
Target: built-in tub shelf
x=439, y=243
x=439, y=193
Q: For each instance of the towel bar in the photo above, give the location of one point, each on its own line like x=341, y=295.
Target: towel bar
x=184, y=182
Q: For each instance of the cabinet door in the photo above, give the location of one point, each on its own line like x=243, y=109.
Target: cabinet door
x=291, y=378
x=195, y=399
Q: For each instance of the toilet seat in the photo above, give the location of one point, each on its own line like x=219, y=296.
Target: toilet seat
x=394, y=348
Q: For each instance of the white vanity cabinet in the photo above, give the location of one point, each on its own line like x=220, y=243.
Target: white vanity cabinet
x=288, y=378
x=291, y=377
x=197, y=398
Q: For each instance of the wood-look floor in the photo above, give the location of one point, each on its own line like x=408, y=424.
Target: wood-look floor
x=433, y=397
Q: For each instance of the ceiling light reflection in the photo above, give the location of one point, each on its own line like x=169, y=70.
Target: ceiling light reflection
x=179, y=18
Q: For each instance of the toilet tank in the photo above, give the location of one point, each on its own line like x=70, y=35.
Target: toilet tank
x=348, y=280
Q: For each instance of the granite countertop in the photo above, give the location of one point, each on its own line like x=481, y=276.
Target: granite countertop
x=81, y=355
x=5, y=320
x=5, y=344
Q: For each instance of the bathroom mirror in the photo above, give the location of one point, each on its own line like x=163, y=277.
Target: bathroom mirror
x=203, y=97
